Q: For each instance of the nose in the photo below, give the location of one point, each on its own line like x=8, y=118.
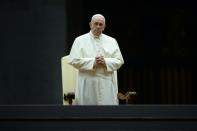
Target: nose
x=98, y=26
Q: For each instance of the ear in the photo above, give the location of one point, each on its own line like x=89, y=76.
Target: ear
x=104, y=27
x=90, y=24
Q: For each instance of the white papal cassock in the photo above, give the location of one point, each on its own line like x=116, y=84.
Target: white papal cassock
x=96, y=85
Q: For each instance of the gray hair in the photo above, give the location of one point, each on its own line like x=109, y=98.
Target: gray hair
x=98, y=15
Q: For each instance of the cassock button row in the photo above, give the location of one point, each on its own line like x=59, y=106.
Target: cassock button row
x=99, y=95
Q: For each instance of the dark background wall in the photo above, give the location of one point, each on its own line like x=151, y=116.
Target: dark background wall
x=32, y=43
x=156, y=39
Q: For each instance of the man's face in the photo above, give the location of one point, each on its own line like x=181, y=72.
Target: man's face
x=97, y=25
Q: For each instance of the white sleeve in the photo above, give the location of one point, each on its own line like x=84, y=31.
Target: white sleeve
x=115, y=61
x=76, y=59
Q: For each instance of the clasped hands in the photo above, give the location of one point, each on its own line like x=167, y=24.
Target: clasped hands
x=100, y=59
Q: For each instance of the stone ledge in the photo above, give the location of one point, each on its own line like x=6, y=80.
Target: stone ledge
x=126, y=112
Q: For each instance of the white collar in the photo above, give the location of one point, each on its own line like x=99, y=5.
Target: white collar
x=94, y=37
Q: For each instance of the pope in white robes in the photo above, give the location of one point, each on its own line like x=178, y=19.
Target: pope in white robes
x=97, y=57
